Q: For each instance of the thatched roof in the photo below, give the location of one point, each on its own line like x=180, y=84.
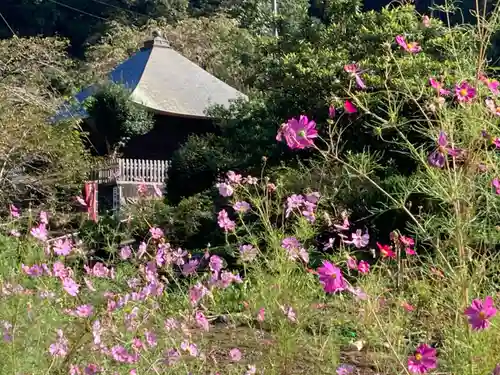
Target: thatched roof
x=165, y=82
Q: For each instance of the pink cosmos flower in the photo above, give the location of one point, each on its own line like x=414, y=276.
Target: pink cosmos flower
x=142, y=189
x=345, y=223
x=225, y=190
x=423, y=360
x=125, y=252
x=480, y=312
x=329, y=244
x=249, y=180
x=172, y=356
x=408, y=244
x=330, y=276
x=464, y=92
x=492, y=84
x=405, y=305
x=248, y=253
x=224, y=222
x=156, y=233
x=294, y=201
x=439, y=156
x=14, y=211
x=412, y=47
x=363, y=267
x=99, y=270
x=96, y=332
x=143, y=248
x=353, y=70
x=192, y=349
x=241, y=207
x=345, y=369
x=358, y=239
x=349, y=107
x=227, y=278
x=496, y=370
x=35, y=270
x=190, y=267
x=271, y=187
x=294, y=249
x=84, y=311
x=7, y=326
x=60, y=347
x=492, y=106
x=15, y=233
x=61, y=271
x=352, y=263
x=298, y=134
x=215, y=263
x=261, y=315
x=235, y=355
x=439, y=87
x=151, y=338
x=39, y=232
x=233, y=177
x=496, y=184
x=202, y=321
x=426, y=21
x=196, y=293
x=386, y=251
x=331, y=112
x=120, y=354
x=289, y=313
x=63, y=247
x=358, y=293
x=171, y=324
x=70, y=286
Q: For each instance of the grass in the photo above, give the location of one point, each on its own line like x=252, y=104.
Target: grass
x=376, y=335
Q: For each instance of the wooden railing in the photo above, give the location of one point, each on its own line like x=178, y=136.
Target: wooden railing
x=132, y=171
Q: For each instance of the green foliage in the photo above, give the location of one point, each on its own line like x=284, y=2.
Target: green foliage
x=105, y=234
x=195, y=166
x=116, y=117
x=83, y=21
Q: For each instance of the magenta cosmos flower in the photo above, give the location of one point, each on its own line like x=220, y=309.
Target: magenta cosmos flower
x=330, y=276
x=354, y=71
x=465, y=93
x=423, y=360
x=438, y=86
x=480, y=312
x=412, y=47
x=298, y=134
x=492, y=84
x=349, y=107
x=438, y=157
x=496, y=184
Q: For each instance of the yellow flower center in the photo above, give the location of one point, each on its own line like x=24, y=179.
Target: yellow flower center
x=463, y=92
x=302, y=133
x=334, y=276
x=411, y=45
x=482, y=315
x=418, y=357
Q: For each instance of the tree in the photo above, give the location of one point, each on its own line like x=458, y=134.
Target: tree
x=116, y=117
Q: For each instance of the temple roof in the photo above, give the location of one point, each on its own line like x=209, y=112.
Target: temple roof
x=164, y=81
